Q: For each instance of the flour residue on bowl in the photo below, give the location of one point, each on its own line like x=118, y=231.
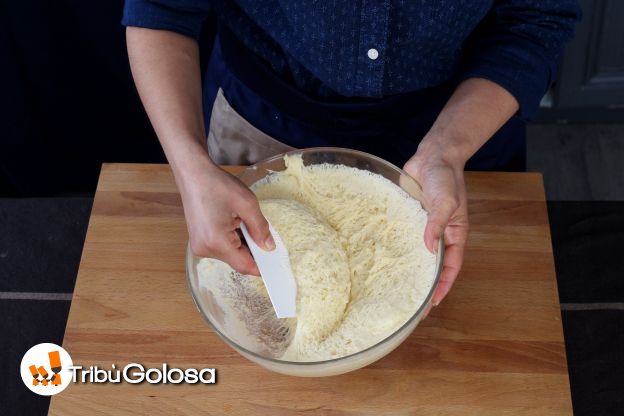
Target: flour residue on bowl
x=355, y=243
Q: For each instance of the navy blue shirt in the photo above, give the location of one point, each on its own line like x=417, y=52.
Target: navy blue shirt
x=382, y=48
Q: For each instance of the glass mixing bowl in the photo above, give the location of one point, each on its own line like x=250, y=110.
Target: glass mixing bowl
x=234, y=333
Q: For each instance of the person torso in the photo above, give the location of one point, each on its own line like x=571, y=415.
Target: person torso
x=356, y=48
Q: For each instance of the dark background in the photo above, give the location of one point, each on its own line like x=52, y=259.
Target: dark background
x=68, y=101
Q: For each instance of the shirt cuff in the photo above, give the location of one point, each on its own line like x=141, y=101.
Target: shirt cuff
x=153, y=14
x=514, y=64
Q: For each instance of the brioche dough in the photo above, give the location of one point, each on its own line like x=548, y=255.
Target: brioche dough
x=356, y=249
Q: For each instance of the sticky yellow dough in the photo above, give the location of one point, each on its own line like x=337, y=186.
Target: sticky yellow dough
x=321, y=268
x=357, y=253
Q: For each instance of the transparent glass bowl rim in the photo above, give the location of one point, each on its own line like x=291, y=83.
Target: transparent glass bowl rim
x=364, y=155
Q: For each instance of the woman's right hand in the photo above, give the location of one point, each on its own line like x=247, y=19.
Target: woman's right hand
x=165, y=66
x=215, y=203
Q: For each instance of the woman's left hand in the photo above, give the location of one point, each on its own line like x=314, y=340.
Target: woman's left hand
x=444, y=188
x=475, y=111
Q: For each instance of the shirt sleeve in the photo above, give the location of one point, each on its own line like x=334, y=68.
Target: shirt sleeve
x=181, y=16
x=518, y=46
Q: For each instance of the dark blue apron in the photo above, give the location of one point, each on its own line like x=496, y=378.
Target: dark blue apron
x=390, y=127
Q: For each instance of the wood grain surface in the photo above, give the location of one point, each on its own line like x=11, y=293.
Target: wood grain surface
x=493, y=347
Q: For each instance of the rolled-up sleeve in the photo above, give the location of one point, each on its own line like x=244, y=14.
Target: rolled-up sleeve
x=518, y=46
x=181, y=16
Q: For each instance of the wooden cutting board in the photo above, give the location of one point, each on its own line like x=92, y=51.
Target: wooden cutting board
x=494, y=346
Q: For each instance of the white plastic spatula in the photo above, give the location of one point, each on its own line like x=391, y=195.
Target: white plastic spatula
x=276, y=273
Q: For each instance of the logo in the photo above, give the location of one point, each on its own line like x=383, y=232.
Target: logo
x=46, y=369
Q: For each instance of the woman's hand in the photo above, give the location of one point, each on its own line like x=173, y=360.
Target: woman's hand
x=215, y=203
x=165, y=66
x=475, y=111
x=443, y=185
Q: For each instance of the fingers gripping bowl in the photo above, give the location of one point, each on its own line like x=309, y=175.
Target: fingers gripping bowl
x=382, y=300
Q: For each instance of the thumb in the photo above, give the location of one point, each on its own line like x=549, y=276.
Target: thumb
x=441, y=211
x=256, y=224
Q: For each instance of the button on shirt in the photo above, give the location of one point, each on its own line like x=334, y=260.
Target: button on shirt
x=381, y=48
x=373, y=54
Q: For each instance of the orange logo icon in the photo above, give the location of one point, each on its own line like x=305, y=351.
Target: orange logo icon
x=55, y=366
x=41, y=378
